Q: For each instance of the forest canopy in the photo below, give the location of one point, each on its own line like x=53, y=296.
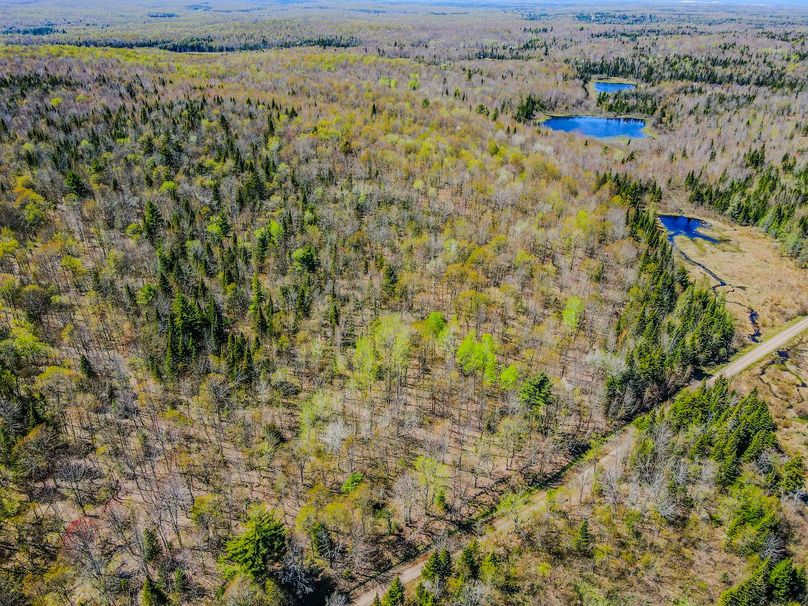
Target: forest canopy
x=287, y=299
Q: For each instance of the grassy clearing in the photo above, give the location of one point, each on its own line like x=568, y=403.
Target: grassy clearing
x=781, y=382
x=758, y=276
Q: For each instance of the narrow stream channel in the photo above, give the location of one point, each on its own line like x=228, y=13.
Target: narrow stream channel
x=689, y=227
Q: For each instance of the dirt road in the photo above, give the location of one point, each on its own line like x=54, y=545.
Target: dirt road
x=579, y=479
x=760, y=351
x=577, y=485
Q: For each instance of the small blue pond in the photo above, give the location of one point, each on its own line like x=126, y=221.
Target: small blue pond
x=679, y=225
x=613, y=87
x=600, y=128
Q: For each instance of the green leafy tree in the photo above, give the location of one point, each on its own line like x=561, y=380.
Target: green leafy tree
x=365, y=364
x=572, y=313
x=433, y=325
x=478, y=357
x=509, y=377
x=352, y=482
x=305, y=259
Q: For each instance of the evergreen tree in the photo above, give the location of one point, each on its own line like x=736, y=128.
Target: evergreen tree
x=792, y=476
x=259, y=547
x=582, y=541
x=151, y=594
x=395, y=594
x=75, y=184
x=536, y=393
x=438, y=568
x=468, y=564
x=256, y=309
x=151, y=546
x=786, y=582
x=152, y=221
x=752, y=591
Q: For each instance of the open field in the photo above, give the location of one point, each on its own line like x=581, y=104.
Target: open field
x=757, y=275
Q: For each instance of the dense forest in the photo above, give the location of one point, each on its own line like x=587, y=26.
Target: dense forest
x=285, y=302
x=770, y=195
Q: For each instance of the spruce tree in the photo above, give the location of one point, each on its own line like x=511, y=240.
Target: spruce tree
x=394, y=595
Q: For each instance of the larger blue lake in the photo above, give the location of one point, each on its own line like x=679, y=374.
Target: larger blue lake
x=613, y=87
x=679, y=225
x=600, y=128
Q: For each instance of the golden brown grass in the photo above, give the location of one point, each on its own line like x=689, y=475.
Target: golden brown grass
x=782, y=381
x=757, y=274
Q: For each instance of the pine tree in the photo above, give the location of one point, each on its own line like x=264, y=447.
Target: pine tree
x=394, y=595
x=582, y=542
x=389, y=281
x=152, y=221
x=170, y=360
x=75, y=184
x=152, y=595
x=438, y=567
x=536, y=393
x=792, y=476
x=151, y=546
x=749, y=592
x=260, y=546
x=786, y=582
x=256, y=310
x=468, y=564
x=87, y=368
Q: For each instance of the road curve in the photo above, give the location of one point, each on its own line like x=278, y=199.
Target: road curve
x=581, y=475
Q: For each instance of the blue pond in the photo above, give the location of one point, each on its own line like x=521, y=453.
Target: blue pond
x=613, y=87
x=600, y=128
x=679, y=225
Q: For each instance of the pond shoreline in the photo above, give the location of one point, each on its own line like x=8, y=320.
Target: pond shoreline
x=600, y=127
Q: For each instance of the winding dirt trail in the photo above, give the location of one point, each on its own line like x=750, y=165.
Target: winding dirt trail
x=579, y=478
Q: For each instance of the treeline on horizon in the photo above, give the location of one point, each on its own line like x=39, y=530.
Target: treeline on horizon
x=204, y=44
x=744, y=70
